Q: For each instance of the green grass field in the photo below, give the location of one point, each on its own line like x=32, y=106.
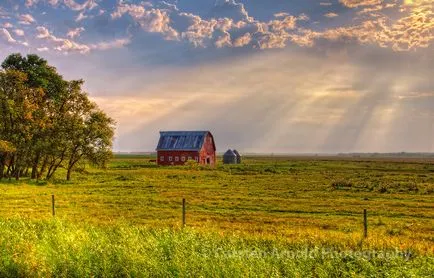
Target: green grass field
x=267, y=203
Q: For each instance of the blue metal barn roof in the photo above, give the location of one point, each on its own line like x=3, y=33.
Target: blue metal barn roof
x=181, y=140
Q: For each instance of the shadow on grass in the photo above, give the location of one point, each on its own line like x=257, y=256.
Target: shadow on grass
x=24, y=181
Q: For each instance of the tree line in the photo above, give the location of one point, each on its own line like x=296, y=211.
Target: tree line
x=48, y=123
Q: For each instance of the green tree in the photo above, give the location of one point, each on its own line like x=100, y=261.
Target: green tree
x=50, y=121
x=40, y=75
x=18, y=115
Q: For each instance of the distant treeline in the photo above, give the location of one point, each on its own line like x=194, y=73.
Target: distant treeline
x=46, y=122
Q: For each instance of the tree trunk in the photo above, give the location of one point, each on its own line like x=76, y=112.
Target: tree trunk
x=49, y=174
x=10, y=169
x=71, y=165
x=68, y=174
x=43, y=169
x=17, y=174
x=2, y=166
x=35, y=167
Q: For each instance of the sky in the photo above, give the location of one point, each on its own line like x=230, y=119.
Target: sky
x=273, y=76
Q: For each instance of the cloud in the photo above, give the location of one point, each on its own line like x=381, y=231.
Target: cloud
x=412, y=31
x=243, y=40
x=26, y=19
x=230, y=9
x=118, y=43
x=73, y=33
x=151, y=20
x=358, y=3
x=230, y=25
x=201, y=32
x=30, y=3
x=53, y=2
x=331, y=15
x=7, y=25
x=406, y=26
x=416, y=95
x=42, y=49
x=282, y=14
x=19, y=32
x=5, y=35
x=80, y=17
x=61, y=44
x=87, y=5
x=65, y=45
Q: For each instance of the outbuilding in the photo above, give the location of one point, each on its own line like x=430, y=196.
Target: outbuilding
x=229, y=157
x=238, y=156
x=177, y=147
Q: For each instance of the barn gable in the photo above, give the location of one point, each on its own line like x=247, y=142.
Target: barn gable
x=182, y=140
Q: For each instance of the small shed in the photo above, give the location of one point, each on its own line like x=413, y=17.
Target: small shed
x=229, y=157
x=238, y=156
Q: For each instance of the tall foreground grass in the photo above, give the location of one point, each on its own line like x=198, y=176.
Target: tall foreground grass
x=57, y=248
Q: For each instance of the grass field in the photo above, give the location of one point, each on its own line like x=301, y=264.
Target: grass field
x=267, y=203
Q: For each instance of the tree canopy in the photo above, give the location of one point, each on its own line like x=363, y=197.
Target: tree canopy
x=48, y=122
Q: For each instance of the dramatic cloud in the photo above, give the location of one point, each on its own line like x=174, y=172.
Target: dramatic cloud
x=408, y=25
x=415, y=30
x=231, y=26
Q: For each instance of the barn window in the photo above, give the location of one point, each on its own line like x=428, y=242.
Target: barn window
x=162, y=158
x=182, y=158
x=170, y=158
x=197, y=159
x=190, y=158
x=176, y=158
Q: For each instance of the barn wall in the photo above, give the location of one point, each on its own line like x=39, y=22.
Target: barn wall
x=174, y=154
x=208, y=151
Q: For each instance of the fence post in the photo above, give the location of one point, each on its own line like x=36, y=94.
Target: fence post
x=52, y=205
x=365, y=223
x=183, y=212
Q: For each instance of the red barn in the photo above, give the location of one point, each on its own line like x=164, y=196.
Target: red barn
x=176, y=147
